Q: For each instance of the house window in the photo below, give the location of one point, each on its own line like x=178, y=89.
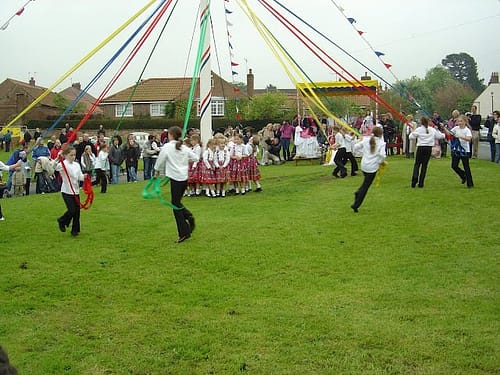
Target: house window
x=120, y=108
x=217, y=107
x=157, y=109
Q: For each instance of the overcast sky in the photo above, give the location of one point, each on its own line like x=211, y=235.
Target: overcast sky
x=51, y=36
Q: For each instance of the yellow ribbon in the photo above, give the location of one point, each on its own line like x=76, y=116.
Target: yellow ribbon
x=276, y=49
x=80, y=63
x=380, y=172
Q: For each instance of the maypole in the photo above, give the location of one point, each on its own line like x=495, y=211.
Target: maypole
x=205, y=79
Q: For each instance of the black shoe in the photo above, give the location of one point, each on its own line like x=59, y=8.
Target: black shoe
x=74, y=234
x=354, y=174
x=62, y=227
x=191, y=222
x=183, y=238
x=258, y=190
x=343, y=175
x=354, y=208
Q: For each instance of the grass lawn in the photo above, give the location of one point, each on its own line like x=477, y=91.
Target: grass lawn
x=287, y=281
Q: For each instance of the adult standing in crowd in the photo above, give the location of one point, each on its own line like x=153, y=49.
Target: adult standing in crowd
x=80, y=147
x=174, y=161
x=115, y=159
x=475, y=125
x=496, y=136
x=38, y=151
x=131, y=154
x=490, y=123
x=409, y=145
x=426, y=137
x=7, y=139
x=287, y=131
x=27, y=137
x=373, y=148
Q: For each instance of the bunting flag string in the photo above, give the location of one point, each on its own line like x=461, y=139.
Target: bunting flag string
x=404, y=95
x=18, y=13
x=379, y=54
x=281, y=54
x=352, y=21
x=324, y=56
x=234, y=64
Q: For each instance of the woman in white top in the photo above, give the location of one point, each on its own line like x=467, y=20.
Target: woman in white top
x=102, y=167
x=373, y=148
x=462, y=132
x=173, y=161
x=426, y=137
x=71, y=176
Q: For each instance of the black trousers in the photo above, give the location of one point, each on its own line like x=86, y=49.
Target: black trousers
x=465, y=174
x=340, y=160
x=181, y=215
x=360, y=194
x=420, y=167
x=72, y=214
x=354, y=164
x=101, y=179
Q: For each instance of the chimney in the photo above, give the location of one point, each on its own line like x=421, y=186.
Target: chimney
x=32, y=82
x=77, y=86
x=494, y=78
x=250, y=83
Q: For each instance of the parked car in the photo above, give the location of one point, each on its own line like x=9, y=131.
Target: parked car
x=483, y=133
x=140, y=138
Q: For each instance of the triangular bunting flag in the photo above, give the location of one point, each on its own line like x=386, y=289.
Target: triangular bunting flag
x=351, y=20
x=236, y=89
x=388, y=66
x=234, y=73
x=379, y=53
x=360, y=32
x=20, y=11
x=228, y=11
x=230, y=45
x=234, y=64
x=229, y=23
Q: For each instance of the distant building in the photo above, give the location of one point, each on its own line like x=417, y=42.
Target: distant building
x=152, y=95
x=16, y=95
x=489, y=100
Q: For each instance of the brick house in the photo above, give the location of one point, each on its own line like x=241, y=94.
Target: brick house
x=16, y=95
x=153, y=94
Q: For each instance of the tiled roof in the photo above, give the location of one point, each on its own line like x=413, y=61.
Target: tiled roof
x=71, y=93
x=34, y=92
x=166, y=89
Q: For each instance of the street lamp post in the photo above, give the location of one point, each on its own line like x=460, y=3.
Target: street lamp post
x=492, y=102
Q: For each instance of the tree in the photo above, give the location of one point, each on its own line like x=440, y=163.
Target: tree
x=62, y=103
x=453, y=96
x=271, y=105
x=414, y=90
x=463, y=68
x=437, y=77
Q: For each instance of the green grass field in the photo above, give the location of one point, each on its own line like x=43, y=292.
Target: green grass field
x=287, y=281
